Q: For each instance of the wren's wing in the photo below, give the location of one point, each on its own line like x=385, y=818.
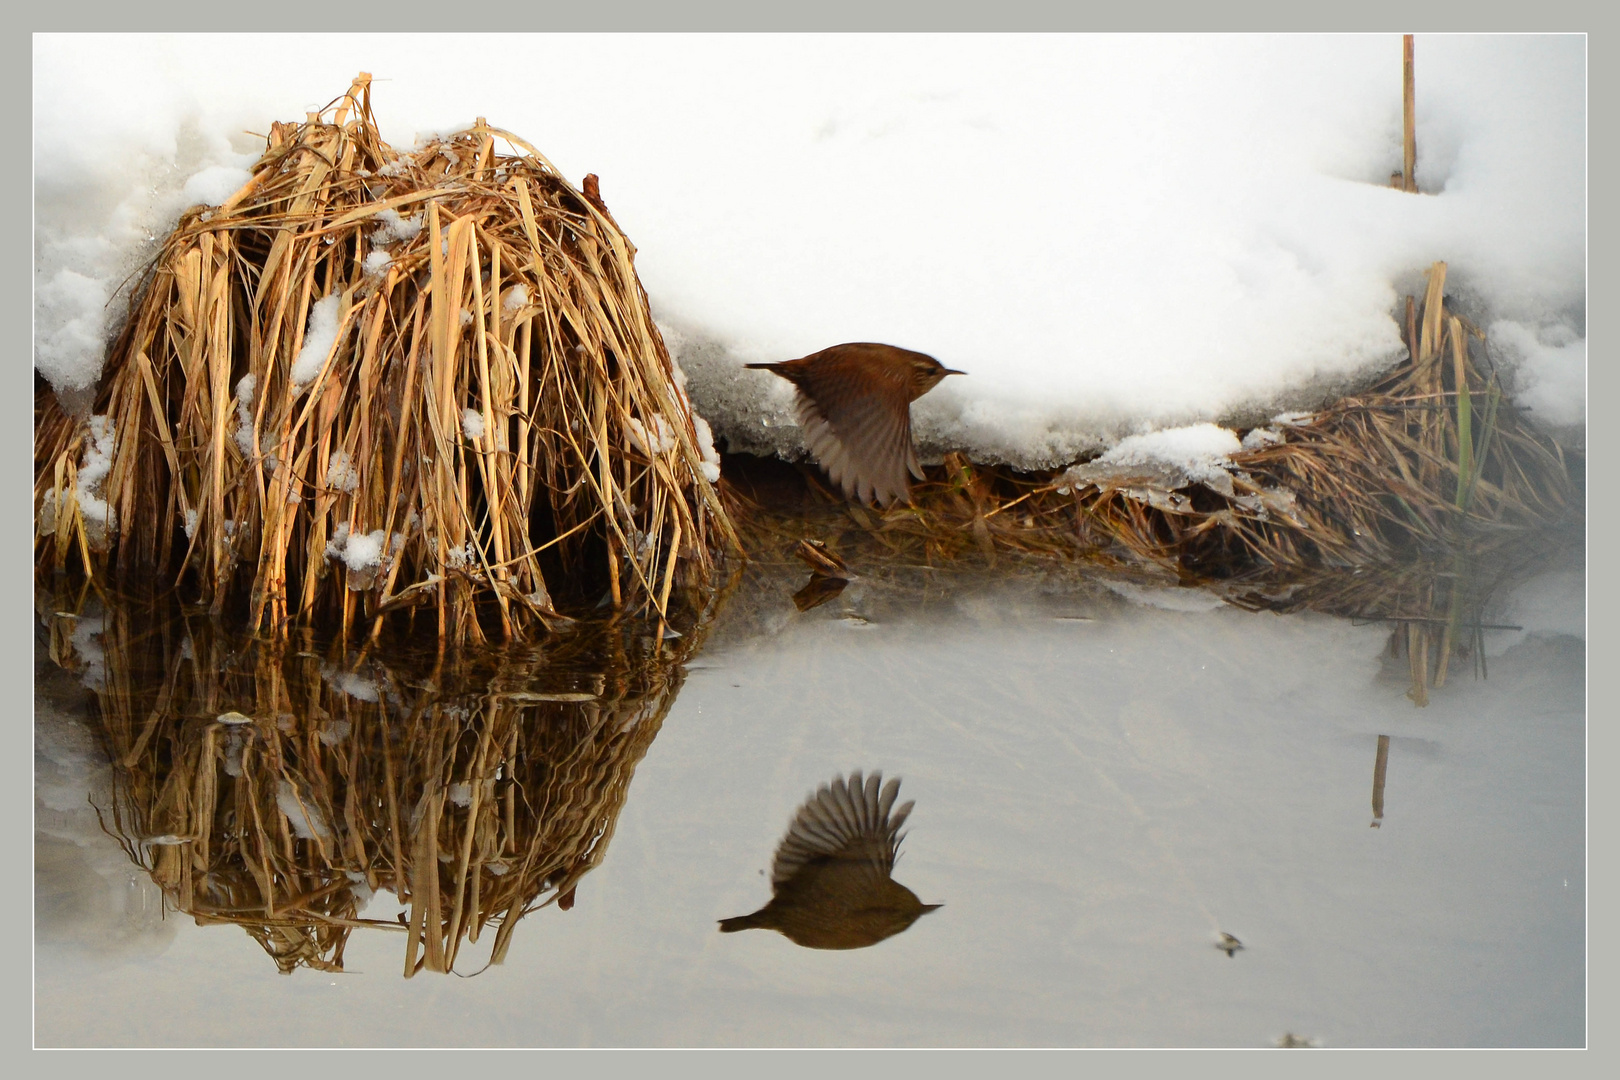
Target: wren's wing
x=842, y=820
x=857, y=424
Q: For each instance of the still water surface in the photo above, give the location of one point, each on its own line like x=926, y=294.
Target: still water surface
x=1105, y=781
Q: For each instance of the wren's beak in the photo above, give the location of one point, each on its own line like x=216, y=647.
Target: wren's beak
x=926, y=908
x=951, y=371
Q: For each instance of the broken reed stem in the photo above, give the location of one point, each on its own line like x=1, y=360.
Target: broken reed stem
x=372, y=375
x=1408, y=117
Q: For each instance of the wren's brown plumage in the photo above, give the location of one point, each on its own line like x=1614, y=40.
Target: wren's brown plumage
x=830, y=880
x=854, y=403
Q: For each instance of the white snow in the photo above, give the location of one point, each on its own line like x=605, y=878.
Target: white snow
x=1109, y=233
x=334, y=733
x=1550, y=368
x=652, y=445
x=1261, y=436
x=465, y=555
x=70, y=324
x=377, y=263
x=394, y=227
x=215, y=184
x=318, y=339
x=705, y=443
x=245, y=390
x=1166, y=599
x=1158, y=462
x=362, y=551
x=339, y=541
x=93, y=469
x=341, y=474
x=472, y=424
x=1196, y=448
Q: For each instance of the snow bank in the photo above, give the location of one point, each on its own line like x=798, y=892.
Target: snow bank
x=1110, y=234
x=1550, y=364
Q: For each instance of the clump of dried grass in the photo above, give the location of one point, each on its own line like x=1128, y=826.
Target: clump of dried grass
x=266, y=784
x=495, y=419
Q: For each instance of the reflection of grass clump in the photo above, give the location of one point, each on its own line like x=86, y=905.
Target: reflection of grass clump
x=269, y=786
x=372, y=379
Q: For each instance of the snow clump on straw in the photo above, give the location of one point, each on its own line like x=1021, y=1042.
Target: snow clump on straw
x=393, y=226
x=213, y=185
x=361, y=551
x=98, y=452
x=244, y=414
x=705, y=443
x=652, y=446
x=1199, y=449
x=318, y=340
x=340, y=471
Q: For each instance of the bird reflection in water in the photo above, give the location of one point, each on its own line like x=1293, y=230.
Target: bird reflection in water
x=830, y=881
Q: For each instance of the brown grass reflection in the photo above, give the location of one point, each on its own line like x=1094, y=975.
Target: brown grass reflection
x=276, y=786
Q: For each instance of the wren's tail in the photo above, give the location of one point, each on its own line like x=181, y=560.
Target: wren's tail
x=741, y=922
x=763, y=367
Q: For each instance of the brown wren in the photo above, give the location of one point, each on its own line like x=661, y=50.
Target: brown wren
x=830, y=880
x=854, y=403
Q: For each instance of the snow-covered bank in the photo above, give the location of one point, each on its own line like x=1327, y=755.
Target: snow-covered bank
x=1110, y=234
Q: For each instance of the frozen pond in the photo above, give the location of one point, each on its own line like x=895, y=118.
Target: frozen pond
x=1103, y=784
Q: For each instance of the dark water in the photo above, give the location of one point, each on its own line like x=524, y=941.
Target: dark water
x=1106, y=779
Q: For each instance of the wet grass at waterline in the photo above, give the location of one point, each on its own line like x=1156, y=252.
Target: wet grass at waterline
x=376, y=379
x=275, y=783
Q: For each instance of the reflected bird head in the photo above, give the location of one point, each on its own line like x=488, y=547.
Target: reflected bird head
x=830, y=882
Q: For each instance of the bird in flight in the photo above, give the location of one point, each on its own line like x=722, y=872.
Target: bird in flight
x=853, y=402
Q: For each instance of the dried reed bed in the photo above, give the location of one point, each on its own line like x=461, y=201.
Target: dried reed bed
x=373, y=379
x=269, y=785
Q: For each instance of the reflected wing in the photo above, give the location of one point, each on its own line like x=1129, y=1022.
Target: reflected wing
x=854, y=820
